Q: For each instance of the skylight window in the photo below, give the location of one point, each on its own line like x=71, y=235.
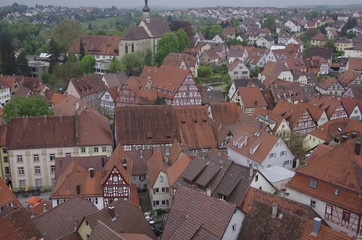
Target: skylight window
x=313, y=184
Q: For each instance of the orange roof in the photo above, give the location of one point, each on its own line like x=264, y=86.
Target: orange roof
x=116, y=161
x=175, y=171
x=135, y=200
x=355, y=64
x=349, y=104
x=225, y=113
x=263, y=112
x=328, y=103
x=8, y=81
x=324, y=233
x=57, y=98
x=38, y=208
x=155, y=165
x=318, y=37
x=314, y=111
x=346, y=78
x=7, y=196
x=251, y=97
x=337, y=168
x=96, y=45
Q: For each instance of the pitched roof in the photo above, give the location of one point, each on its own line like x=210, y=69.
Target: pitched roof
x=326, y=83
x=212, y=96
x=314, y=111
x=355, y=64
x=333, y=128
x=75, y=177
x=7, y=196
x=319, y=52
x=323, y=233
x=248, y=82
x=195, y=130
x=174, y=172
x=339, y=168
x=102, y=232
x=268, y=116
x=175, y=60
x=87, y=85
x=258, y=143
x=145, y=124
x=346, y=78
x=188, y=216
x=128, y=219
x=328, y=103
x=41, y=207
x=274, y=69
x=116, y=161
x=70, y=213
x=319, y=37
x=96, y=45
x=156, y=26
x=225, y=113
x=155, y=165
x=95, y=162
x=135, y=33
x=291, y=112
x=115, y=79
x=251, y=97
x=349, y=104
x=281, y=89
x=18, y=225
x=357, y=91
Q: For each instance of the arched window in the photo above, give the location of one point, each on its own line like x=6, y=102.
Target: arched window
x=126, y=48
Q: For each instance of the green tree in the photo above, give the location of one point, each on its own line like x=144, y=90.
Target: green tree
x=62, y=73
x=294, y=141
x=205, y=71
x=23, y=106
x=159, y=101
x=7, y=56
x=133, y=63
x=270, y=23
x=183, y=40
x=308, y=34
x=233, y=41
x=214, y=30
x=87, y=63
x=350, y=35
x=235, y=22
x=115, y=66
x=81, y=50
x=72, y=58
x=167, y=44
x=255, y=71
x=55, y=53
x=148, y=59
x=45, y=77
x=22, y=65
x=65, y=33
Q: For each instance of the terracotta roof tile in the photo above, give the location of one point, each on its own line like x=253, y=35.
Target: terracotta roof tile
x=176, y=169
x=103, y=232
x=115, y=79
x=87, y=85
x=251, y=97
x=129, y=219
x=96, y=45
x=346, y=78
x=325, y=53
x=188, y=216
x=314, y=111
x=175, y=60
x=156, y=26
x=225, y=113
x=319, y=37
x=18, y=225
x=355, y=64
x=38, y=208
x=155, y=165
x=135, y=33
x=70, y=213
x=326, y=83
x=349, y=104
x=324, y=233
x=328, y=103
x=7, y=197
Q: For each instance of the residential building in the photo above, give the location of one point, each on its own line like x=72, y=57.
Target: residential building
x=8, y=199
x=265, y=42
x=182, y=60
x=114, y=79
x=278, y=124
x=277, y=70
x=331, y=105
x=329, y=184
x=319, y=40
x=238, y=70
x=250, y=98
x=4, y=157
x=353, y=107
x=342, y=44
x=251, y=146
x=329, y=86
x=35, y=142
x=226, y=218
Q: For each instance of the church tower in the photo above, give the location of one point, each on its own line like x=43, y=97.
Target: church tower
x=146, y=12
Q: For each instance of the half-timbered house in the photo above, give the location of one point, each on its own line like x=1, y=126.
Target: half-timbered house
x=331, y=105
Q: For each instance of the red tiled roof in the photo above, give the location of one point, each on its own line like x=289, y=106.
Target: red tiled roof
x=251, y=97
x=225, y=113
x=155, y=165
x=175, y=171
x=318, y=37
x=87, y=85
x=6, y=196
x=96, y=45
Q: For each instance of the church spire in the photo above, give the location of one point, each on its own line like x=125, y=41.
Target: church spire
x=146, y=11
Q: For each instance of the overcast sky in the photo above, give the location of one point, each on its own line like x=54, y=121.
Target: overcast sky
x=177, y=3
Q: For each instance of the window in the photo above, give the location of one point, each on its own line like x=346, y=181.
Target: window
x=36, y=157
x=283, y=153
x=142, y=177
x=256, y=178
x=82, y=150
x=21, y=183
x=110, y=190
x=38, y=183
x=7, y=170
x=222, y=197
x=104, y=149
x=68, y=154
x=272, y=155
x=313, y=184
x=163, y=190
x=336, y=192
x=6, y=159
x=233, y=227
x=20, y=170
x=4, y=150
x=95, y=149
x=37, y=169
x=285, y=163
x=329, y=210
x=156, y=190
x=19, y=158
x=161, y=179
x=312, y=203
x=52, y=169
x=346, y=215
x=115, y=179
x=52, y=156
x=156, y=203
x=53, y=181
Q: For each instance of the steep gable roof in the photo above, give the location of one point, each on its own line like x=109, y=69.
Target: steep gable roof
x=349, y=104
x=194, y=126
x=70, y=213
x=314, y=111
x=355, y=64
x=326, y=83
x=268, y=116
x=325, y=53
x=87, y=85
x=145, y=124
x=328, y=103
x=251, y=97
x=135, y=33
x=156, y=26
x=96, y=45
x=291, y=112
x=155, y=165
x=319, y=37
x=225, y=113
x=274, y=69
x=175, y=60
x=7, y=196
x=115, y=79
x=128, y=219
x=346, y=78
x=188, y=216
x=175, y=171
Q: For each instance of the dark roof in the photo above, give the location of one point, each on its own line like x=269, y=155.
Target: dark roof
x=225, y=113
x=115, y=79
x=156, y=26
x=103, y=232
x=212, y=96
x=145, y=125
x=129, y=219
x=69, y=214
x=17, y=225
x=87, y=85
x=319, y=52
x=135, y=33
x=248, y=82
x=96, y=45
x=193, y=214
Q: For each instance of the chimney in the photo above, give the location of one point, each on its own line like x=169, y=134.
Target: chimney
x=358, y=148
x=354, y=135
x=45, y=207
x=208, y=191
x=316, y=226
x=111, y=212
x=251, y=170
x=78, y=189
x=91, y=172
x=274, y=210
x=344, y=138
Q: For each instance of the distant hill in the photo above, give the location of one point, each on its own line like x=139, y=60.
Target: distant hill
x=348, y=6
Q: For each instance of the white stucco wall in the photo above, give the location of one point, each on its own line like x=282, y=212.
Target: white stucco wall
x=236, y=223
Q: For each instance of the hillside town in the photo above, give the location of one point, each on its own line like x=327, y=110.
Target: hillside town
x=200, y=123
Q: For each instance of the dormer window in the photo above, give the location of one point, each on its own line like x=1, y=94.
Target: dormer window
x=336, y=192
x=313, y=184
